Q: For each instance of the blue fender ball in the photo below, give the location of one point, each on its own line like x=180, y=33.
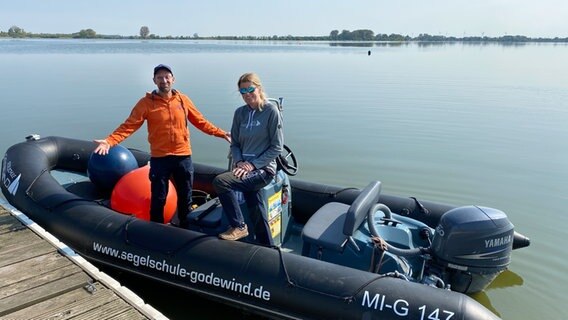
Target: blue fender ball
x=105, y=171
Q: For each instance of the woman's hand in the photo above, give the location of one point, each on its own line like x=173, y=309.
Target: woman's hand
x=243, y=168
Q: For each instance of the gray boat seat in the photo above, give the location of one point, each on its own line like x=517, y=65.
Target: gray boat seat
x=334, y=224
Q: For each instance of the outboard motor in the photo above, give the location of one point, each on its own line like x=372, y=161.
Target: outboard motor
x=471, y=246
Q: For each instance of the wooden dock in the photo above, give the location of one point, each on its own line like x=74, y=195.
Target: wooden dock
x=42, y=278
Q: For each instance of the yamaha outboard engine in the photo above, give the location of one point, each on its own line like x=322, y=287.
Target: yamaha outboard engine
x=471, y=246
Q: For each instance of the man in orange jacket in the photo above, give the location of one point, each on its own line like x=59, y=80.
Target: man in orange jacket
x=167, y=112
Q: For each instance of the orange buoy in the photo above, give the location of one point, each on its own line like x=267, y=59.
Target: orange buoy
x=131, y=195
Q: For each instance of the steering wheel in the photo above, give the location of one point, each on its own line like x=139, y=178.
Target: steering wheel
x=387, y=217
x=415, y=252
x=287, y=161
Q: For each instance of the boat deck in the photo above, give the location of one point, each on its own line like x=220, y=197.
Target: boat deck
x=41, y=278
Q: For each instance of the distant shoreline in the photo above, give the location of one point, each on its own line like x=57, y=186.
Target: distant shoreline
x=359, y=36
x=303, y=39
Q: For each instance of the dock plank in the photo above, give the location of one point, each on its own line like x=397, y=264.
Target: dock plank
x=38, y=282
x=32, y=267
x=115, y=308
x=108, y=310
x=8, y=223
x=15, y=249
x=46, y=291
x=18, y=237
x=99, y=303
x=128, y=315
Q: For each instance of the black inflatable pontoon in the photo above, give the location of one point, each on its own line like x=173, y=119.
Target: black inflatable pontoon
x=341, y=253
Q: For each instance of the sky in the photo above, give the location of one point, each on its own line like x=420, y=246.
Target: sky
x=494, y=18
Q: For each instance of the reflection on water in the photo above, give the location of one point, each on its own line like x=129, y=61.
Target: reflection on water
x=506, y=279
x=67, y=46
x=482, y=298
x=352, y=44
x=436, y=43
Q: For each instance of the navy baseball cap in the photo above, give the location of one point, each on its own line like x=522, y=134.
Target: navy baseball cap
x=162, y=67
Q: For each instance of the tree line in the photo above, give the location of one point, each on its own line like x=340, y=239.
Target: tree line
x=368, y=35
x=334, y=35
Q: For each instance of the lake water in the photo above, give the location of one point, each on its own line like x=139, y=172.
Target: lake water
x=463, y=124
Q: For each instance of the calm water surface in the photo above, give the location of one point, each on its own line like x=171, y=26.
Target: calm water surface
x=461, y=124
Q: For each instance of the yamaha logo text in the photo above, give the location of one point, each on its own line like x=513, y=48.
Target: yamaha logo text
x=501, y=241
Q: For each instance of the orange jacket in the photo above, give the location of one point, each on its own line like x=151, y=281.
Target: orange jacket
x=168, y=132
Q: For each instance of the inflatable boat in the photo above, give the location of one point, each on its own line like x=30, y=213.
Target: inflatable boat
x=338, y=253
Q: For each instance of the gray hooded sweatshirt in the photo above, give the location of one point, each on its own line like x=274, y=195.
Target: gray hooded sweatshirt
x=257, y=136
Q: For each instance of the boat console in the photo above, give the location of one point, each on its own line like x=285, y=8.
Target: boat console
x=337, y=233
x=209, y=218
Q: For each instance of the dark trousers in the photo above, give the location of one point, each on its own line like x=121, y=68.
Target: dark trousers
x=227, y=183
x=180, y=168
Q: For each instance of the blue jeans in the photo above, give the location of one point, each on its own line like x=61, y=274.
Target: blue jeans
x=180, y=168
x=227, y=183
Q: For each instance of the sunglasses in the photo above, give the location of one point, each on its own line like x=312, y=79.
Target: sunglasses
x=247, y=90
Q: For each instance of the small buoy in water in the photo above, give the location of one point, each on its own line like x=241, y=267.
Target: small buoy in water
x=131, y=195
x=369, y=52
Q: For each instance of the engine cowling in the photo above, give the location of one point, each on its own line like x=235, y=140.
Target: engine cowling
x=473, y=245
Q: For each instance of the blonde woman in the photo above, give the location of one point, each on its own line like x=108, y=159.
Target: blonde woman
x=257, y=140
